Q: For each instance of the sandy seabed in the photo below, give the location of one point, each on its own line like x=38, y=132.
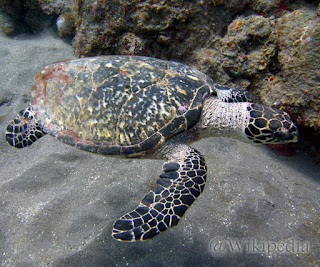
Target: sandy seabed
x=58, y=204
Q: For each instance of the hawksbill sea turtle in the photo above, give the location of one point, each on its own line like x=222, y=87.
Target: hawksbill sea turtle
x=135, y=106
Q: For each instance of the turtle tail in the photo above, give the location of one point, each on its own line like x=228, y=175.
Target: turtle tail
x=24, y=129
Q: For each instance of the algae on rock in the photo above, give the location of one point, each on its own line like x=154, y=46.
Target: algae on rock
x=297, y=85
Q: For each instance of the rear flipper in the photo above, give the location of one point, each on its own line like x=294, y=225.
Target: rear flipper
x=24, y=129
x=180, y=184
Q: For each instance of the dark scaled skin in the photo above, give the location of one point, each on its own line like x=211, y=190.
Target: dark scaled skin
x=23, y=131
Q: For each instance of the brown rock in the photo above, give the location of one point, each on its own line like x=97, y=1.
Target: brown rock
x=298, y=84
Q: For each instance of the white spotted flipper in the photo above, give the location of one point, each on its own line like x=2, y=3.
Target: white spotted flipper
x=24, y=130
x=179, y=185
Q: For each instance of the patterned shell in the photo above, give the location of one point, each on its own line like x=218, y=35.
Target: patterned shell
x=118, y=105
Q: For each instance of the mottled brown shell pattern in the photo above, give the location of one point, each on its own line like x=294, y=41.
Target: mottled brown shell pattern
x=118, y=104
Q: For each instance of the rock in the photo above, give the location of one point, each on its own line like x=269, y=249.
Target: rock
x=33, y=15
x=244, y=52
x=296, y=87
x=66, y=24
x=131, y=44
x=7, y=24
x=56, y=7
x=171, y=29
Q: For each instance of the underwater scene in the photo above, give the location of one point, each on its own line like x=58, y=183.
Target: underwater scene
x=168, y=133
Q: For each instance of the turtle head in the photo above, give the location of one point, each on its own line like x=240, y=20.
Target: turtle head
x=270, y=126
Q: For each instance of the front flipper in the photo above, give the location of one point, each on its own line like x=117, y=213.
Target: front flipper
x=180, y=184
x=232, y=94
x=24, y=129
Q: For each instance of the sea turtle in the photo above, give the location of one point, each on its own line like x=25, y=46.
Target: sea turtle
x=135, y=106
